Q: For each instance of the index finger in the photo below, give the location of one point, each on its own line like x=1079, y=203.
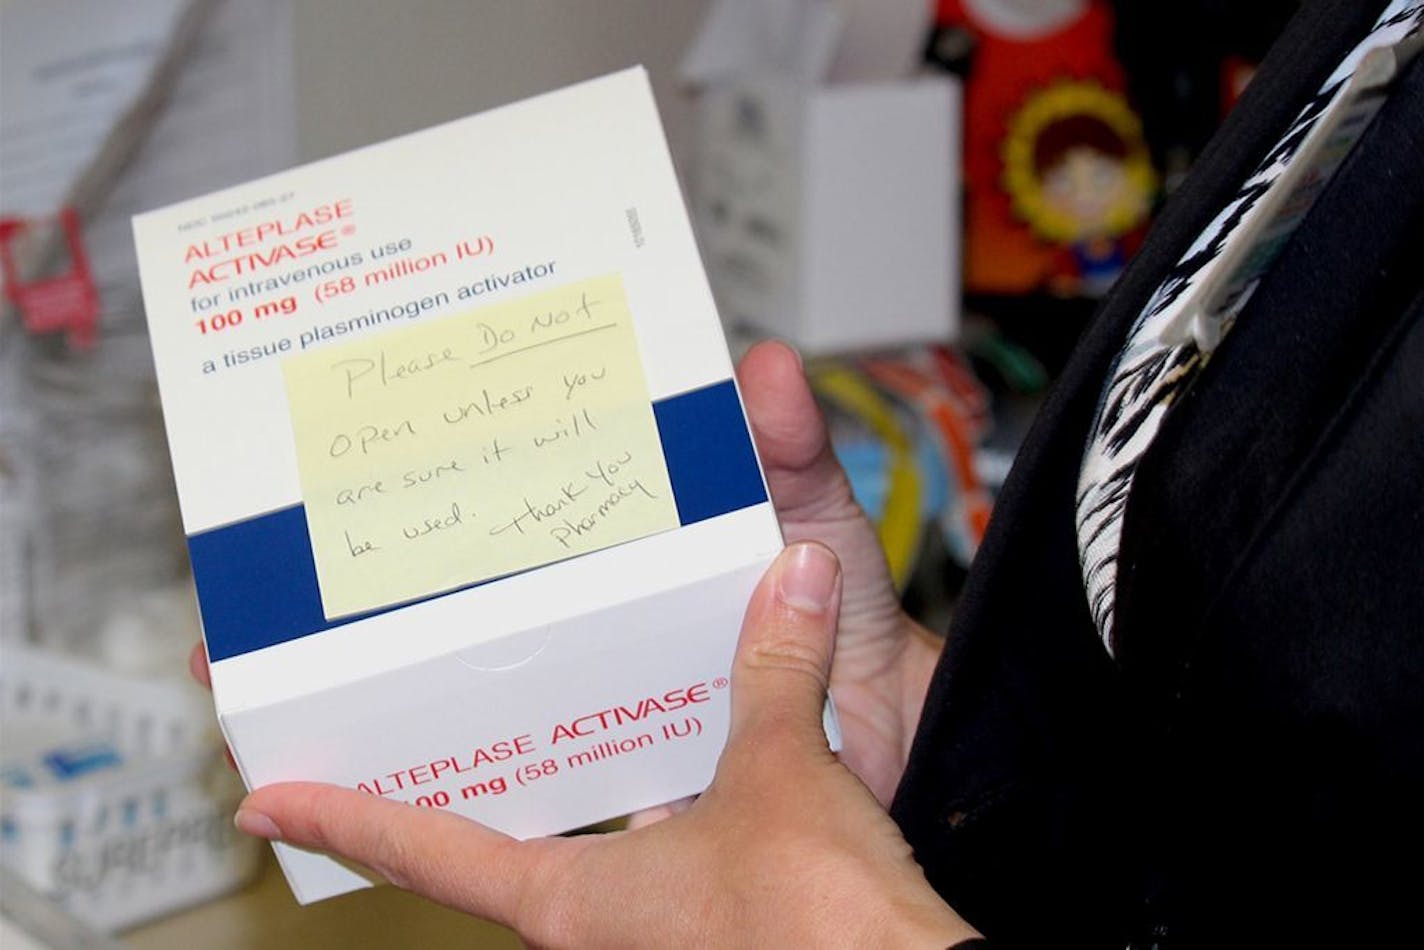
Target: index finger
x=439, y=854
x=198, y=665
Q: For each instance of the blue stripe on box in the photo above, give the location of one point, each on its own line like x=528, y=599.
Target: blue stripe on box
x=709, y=453
x=256, y=583
x=256, y=579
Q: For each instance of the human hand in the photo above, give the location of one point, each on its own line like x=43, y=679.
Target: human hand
x=884, y=659
x=786, y=847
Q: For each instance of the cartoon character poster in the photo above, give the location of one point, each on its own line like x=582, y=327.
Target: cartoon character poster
x=1058, y=177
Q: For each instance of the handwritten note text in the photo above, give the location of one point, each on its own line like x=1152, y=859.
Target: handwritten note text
x=475, y=446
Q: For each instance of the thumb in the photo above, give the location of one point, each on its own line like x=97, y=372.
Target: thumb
x=783, y=659
x=802, y=472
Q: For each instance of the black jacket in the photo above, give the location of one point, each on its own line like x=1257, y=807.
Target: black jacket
x=1250, y=770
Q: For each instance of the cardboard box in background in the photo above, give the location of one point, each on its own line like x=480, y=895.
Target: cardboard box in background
x=829, y=215
x=537, y=698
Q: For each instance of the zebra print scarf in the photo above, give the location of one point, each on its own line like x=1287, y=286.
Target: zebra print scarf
x=1149, y=375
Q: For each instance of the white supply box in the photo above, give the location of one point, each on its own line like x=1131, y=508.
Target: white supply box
x=471, y=500
x=830, y=214
x=114, y=799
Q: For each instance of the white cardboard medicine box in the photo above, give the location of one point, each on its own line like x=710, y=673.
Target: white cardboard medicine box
x=534, y=683
x=830, y=214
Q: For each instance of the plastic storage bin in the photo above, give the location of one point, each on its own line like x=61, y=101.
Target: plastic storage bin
x=114, y=800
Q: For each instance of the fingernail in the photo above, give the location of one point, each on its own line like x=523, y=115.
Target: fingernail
x=808, y=577
x=255, y=823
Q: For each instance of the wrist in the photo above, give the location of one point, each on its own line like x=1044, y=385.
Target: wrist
x=897, y=907
x=917, y=666
x=925, y=924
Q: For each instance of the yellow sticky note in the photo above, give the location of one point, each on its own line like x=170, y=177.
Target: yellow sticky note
x=476, y=445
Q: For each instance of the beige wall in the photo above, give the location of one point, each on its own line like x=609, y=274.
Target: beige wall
x=370, y=69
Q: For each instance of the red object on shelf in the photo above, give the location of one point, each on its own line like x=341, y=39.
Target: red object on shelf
x=1058, y=178
x=64, y=301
